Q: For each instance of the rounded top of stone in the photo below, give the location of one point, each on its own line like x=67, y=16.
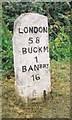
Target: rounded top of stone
x=30, y=14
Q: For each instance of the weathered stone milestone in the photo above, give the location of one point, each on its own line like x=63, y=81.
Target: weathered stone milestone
x=31, y=56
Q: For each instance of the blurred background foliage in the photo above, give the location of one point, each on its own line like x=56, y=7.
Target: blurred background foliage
x=59, y=21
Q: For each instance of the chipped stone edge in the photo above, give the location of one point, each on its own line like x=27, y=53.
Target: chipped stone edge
x=31, y=100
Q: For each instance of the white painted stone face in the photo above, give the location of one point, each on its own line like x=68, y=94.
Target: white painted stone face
x=31, y=56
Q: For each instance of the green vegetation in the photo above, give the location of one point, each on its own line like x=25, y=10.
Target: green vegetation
x=60, y=47
x=7, y=51
x=59, y=27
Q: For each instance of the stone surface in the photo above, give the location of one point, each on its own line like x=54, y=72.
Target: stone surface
x=31, y=56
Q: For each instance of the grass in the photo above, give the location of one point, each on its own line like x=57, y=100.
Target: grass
x=56, y=105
